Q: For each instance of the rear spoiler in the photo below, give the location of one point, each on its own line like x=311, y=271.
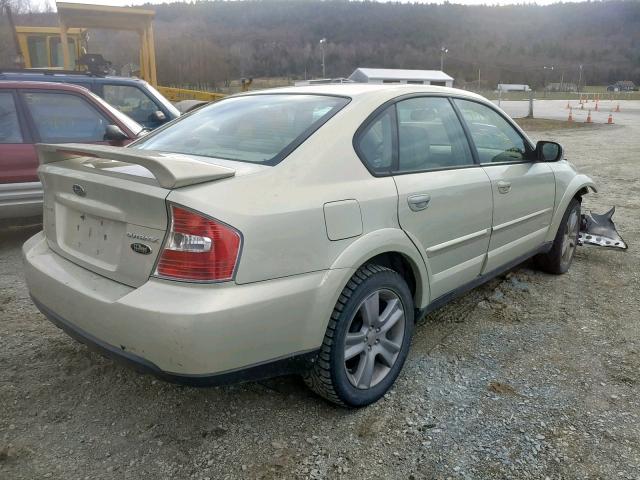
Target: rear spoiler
x=171, y=170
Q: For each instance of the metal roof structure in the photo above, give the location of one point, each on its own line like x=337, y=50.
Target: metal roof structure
x=368, y=74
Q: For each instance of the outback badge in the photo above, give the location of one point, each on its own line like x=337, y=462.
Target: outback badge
x=140, y=248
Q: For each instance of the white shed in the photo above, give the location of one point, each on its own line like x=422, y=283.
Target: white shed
x=393, y=75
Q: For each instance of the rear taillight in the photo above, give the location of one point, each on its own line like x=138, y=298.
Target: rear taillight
x=198, y=248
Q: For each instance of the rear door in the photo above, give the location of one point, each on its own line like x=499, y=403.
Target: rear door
x=18, y=159
x=444, y=198
x=523, y=189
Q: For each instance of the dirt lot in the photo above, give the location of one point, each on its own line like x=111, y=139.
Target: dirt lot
x=530, y=376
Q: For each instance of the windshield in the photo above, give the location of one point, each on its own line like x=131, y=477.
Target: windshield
x=262, y=128
x=129, y=122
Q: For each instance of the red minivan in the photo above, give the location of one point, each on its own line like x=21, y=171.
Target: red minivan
x=45, y=112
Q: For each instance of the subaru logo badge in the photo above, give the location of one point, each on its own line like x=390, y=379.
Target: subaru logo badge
x=79, y=190
x=140, y=248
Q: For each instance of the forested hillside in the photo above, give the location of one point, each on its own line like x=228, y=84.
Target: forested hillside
x=212, y=42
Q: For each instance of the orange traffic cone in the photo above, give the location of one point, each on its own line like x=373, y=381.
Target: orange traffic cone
x=589, y=117
x=570, y=119
x=617, y=108
x=610, y=120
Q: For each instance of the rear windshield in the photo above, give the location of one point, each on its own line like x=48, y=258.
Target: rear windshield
x=262, y=128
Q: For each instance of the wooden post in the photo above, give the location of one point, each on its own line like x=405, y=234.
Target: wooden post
x=153, y=79
x=65, y=47
x=144, y=69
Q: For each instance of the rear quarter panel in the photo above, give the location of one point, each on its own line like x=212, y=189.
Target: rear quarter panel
x=280, y=209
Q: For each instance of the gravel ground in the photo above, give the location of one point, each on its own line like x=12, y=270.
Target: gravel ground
x=529, y=376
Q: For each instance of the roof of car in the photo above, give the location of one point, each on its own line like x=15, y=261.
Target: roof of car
x=354, y=90
x=41, y=85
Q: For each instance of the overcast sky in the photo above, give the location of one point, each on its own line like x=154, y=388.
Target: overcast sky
x=465, y=2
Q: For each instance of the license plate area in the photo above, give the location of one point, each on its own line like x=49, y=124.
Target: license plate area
x=90, y=238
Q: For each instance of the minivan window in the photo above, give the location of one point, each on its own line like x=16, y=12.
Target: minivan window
x=261, y=128
x=131, y=101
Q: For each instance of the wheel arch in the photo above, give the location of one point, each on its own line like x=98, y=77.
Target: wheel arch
x=579, y=186
x=390, y=248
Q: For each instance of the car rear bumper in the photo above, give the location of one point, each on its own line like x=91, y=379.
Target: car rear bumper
x=190, y=333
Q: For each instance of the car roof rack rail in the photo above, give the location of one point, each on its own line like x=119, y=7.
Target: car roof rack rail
x=49, y=71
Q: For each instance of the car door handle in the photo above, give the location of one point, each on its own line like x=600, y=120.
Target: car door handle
x=504, y=187
x=418, y=202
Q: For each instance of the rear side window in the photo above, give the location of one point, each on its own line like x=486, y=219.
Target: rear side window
x=375, y=143
x=9, y=126
x=61, y=117
x=430, y=135
x=261, y=128
x=495, y=139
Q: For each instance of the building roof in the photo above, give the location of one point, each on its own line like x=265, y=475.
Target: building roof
x=400, y=74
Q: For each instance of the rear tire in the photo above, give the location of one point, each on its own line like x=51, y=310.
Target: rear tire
x=367, y=339
x=558, y=260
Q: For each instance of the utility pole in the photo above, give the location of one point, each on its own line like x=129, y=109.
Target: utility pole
x=443, y=52
x=478, y=79
x=580, y=79
x=544, y=86
x=323, y=41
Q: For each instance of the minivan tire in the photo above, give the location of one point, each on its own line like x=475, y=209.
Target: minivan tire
x=554, y=261
x=331, y=376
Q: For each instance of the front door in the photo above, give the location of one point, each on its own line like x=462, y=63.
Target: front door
x=523, y=189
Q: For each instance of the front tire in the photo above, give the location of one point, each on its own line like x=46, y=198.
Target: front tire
x=367, y=339
x=558, y=260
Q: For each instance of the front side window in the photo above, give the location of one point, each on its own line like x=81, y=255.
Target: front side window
x=61, y=117
x=261, y=128
x=9, y=126
x=131, y=101
x=376, y=145
x=430, y=135
x=495, y=139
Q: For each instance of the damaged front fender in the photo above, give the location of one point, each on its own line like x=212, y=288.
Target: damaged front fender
x=599, y=229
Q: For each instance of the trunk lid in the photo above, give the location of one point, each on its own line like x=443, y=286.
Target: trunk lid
x=105, y=208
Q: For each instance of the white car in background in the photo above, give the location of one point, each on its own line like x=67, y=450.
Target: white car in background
x=295, y=230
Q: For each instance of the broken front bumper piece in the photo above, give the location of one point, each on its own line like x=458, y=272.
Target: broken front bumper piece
x=596, y=229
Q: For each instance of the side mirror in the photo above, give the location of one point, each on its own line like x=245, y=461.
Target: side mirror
x=157, y=116
x=114, y=133
x=548, y=151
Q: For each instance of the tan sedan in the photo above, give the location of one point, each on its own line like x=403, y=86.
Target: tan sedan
x=298, y=230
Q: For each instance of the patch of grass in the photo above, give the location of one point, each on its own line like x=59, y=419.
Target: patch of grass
x=539, y=124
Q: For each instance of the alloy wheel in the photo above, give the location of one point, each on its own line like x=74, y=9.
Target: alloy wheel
x=374, y=338
x=570, y=239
